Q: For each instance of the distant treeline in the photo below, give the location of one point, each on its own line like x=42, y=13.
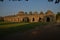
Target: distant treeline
x=56, y=1
x=58, y=16
x=13, y=0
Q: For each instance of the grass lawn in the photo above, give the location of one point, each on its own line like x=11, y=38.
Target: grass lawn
x=11, y=25
x=8, y=27
x=4, y=25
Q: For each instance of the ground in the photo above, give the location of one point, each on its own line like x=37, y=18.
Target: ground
x=40, y=32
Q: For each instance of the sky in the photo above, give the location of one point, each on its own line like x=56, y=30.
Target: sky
x=13, y=7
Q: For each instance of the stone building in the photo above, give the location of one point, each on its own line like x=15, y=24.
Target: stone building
x=1, y=19
x=21, y=16
x=58, y=19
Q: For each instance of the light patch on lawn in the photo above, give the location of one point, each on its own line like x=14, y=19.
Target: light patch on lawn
x=12, y=25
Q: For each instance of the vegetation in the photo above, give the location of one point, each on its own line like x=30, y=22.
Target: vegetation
x=8, y=28
x=56, y=1
x=58, y=15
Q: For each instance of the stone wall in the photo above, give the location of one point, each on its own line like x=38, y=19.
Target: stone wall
x=34, y=17
x=1, y=19
x=58, y=19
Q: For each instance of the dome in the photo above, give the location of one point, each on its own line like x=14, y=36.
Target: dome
x=49, y=12
x=35, y=12
x=20, y=13
x=41, y=13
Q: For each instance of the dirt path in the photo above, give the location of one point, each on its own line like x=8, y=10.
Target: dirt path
x=48, y=32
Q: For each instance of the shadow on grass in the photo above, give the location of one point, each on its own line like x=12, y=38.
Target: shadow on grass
x=25, y=31
x=21, y=28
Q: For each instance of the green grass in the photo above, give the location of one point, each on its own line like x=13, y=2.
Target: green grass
x=7, y=28
x=6, y=24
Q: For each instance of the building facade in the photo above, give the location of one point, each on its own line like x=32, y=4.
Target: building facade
x=21, y=16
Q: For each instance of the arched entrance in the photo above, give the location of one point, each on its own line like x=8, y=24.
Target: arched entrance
x=47, y=19
x=25, y=19
x=33, y=19
x=40, y=19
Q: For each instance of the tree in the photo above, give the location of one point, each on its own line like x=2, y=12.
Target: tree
x=56, y=1
x=26, y=0
x=58, y=15
x=1, y=0
x=50, y=0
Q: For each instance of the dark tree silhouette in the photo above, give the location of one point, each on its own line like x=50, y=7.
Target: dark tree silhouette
x=58, y=13
x=56, y=1
x=14, y=0
x=19, y=0
x=50, y=0
x=1, y=0
x=26, y=0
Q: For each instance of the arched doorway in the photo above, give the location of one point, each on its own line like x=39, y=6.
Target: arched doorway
x=40, y=19
x=25, y=19
x=33, y=19
x=47, y=19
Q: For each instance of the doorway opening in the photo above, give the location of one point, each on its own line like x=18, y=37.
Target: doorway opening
x=25, y=19
x=40, y=19
x=48, y=19
x=33, y=19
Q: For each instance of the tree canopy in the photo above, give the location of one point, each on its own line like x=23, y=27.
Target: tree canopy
x=58, y=13
x=56, y=1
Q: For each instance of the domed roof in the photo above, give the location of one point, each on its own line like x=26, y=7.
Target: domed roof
x=35, y=12
x=20, y=13
x=49, y=12
x=41, y=13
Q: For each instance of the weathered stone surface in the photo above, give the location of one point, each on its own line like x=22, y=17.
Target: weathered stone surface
x=49, y=16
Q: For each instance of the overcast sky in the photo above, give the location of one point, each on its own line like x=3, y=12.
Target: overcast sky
x=10, y=8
